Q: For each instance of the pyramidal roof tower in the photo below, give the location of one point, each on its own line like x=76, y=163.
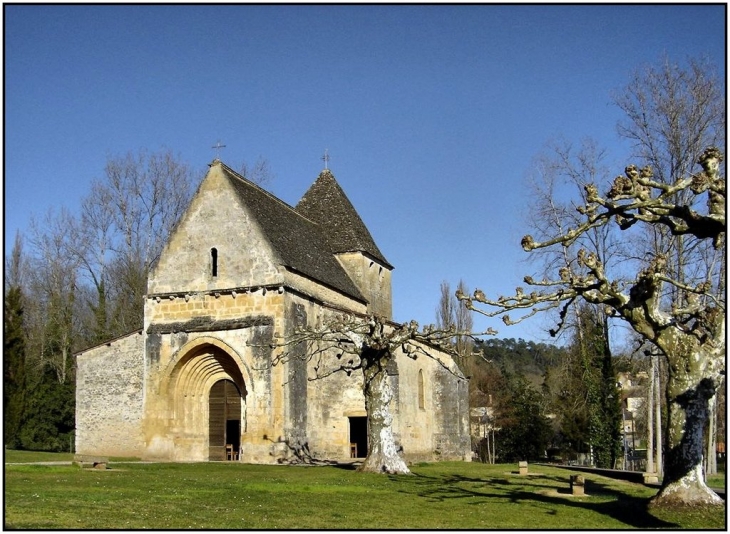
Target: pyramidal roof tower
x=327, y=205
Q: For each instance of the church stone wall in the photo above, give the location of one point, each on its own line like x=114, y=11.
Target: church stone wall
x=333, y=400
x=436, y=429
x=414, y=425
x=109, y=398
x=176, y=427
x=317, y=411
x=214, y=220
x=221, y=306
x=236, y=326
x=451, y=438
x=372, y=279
x=321, y=293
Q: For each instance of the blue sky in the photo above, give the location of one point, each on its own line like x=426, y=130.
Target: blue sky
x=431, y=114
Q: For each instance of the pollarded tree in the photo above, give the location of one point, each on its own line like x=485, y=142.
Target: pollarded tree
x=369, y=344
x=690, y=335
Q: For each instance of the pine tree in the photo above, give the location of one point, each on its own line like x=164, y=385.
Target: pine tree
x=524, y=431
x=50, y=414
x=13, y=367
x=602, y=396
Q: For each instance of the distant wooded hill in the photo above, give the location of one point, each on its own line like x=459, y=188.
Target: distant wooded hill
x=518, y=356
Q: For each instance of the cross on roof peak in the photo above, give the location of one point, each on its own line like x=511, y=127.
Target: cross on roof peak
x=218, y=147
x=326, y=159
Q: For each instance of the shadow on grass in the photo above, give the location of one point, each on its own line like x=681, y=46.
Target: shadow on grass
x=544, y=489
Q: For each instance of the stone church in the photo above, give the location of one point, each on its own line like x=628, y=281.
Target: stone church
x=241, y=269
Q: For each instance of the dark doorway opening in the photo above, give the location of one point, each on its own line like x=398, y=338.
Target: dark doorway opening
x=358, y=437
x=233, y=434
x=224, y=419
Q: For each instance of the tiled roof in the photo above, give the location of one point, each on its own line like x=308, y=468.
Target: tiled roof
x=299, y=243
x=326, y=204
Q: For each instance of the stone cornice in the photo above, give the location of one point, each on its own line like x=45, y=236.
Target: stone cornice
x=208, y=324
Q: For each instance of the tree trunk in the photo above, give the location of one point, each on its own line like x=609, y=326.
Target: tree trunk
x=489, y=445
x=658, y=417
x=689, y=391
x=650, y=419
x=383, y=454
x=711, y=441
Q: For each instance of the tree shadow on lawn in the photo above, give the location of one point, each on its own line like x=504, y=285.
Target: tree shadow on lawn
x=548, y=490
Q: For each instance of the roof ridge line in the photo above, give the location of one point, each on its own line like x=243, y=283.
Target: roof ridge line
x=267, y=193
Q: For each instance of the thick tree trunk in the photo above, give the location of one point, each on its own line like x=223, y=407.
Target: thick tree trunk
x=688, y=394
x=383, y=454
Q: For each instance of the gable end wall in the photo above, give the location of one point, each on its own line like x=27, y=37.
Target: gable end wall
x=110, y=398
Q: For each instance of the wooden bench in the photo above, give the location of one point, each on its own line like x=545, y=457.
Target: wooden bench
x=88, y=460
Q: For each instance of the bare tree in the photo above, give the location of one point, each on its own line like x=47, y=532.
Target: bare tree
x=446, y=309
x=94, y=255
x=671, y=114
x=52, y=310
x=452, y=314
x=127, y=218
x=259, y=173
x=16, y=265
x=350, y=343
x=691, y=336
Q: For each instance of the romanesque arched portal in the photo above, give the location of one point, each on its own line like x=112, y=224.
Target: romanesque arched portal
x=207, y=395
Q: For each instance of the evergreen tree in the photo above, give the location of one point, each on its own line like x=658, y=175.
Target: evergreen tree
x=50, y=417
x=524, y=431
x=583, y=394
x=602, y=395
x=13, y=367
x=564, y=388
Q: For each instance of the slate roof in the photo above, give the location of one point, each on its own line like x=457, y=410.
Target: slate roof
x=299, y=243
x=326, y=204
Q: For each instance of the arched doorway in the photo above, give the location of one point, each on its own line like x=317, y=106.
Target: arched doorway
x=224, y=419
x=206, y=379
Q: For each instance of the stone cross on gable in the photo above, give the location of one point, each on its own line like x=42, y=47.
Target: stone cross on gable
x=218, y=147
x=326, y=159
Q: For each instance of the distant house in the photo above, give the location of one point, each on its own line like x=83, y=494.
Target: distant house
x=482, y=421
x=196, y=383
x=633, y=392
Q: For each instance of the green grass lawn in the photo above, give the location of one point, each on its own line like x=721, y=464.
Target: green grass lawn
x=220, y=495
x=13, y=456
x=716, y=481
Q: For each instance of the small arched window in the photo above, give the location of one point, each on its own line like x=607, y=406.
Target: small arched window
x=214, y=261
x=421, y=392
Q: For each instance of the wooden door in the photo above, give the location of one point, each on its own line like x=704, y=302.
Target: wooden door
x=224, y=405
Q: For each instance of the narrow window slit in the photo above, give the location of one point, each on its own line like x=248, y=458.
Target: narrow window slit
x=214, y=261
